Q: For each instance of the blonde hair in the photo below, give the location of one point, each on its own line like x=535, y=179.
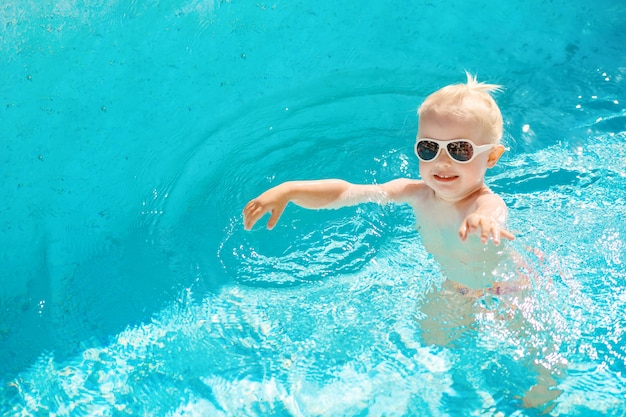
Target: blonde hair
x=470, y=101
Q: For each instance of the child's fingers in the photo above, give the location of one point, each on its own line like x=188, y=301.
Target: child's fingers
x=253, y=211
x=497, y=234
x=490, y=230
x=507, y=235
x=487, y=229
x=276, y=213
x=464, y=231
x=468, y=226
x=494, y=232
x=256, y=209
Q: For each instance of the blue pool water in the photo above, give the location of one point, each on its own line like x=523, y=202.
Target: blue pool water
x=134, y=132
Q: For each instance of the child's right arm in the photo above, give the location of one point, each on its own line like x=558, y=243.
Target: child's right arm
x=308, y=194
x=315, y=195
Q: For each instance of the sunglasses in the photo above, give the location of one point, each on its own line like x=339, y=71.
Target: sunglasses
x=462, y=151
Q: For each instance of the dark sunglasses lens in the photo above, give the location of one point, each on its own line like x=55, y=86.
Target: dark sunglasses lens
x=426, y=149
x=461, y=151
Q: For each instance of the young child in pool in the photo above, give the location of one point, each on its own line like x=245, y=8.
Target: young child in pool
x=460, y=220
x=458, y=139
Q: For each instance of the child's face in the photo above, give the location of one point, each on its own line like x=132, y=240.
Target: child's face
x=449, y=179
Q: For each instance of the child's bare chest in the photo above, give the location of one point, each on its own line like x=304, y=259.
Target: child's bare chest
x=441, y=238
x=438, y=227
x=438, y=222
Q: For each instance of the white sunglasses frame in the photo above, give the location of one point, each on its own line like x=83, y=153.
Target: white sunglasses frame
x=443, y=144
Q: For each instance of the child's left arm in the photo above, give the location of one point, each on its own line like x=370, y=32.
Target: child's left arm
x=489, y=220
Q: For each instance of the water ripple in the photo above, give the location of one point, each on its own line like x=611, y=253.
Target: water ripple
x=340, y=246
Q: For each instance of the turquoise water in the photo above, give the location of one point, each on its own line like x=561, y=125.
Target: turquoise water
x=133, y=133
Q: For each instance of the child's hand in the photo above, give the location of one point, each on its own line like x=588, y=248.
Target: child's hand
x=270, y=201
x=487, y=226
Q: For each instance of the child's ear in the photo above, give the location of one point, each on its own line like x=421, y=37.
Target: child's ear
x=495, y=155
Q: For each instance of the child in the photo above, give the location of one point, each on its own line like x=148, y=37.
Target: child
x=458, y=139
x=457, y=215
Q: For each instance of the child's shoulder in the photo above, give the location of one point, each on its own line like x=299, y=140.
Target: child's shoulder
x=487, y=193
x=405, y=189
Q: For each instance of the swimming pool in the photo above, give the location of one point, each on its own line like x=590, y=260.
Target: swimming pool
x=134, y=133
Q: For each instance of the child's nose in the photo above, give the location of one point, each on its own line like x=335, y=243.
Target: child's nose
x=443, y=158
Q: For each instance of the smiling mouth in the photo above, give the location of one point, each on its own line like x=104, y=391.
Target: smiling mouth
x=446, y=178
